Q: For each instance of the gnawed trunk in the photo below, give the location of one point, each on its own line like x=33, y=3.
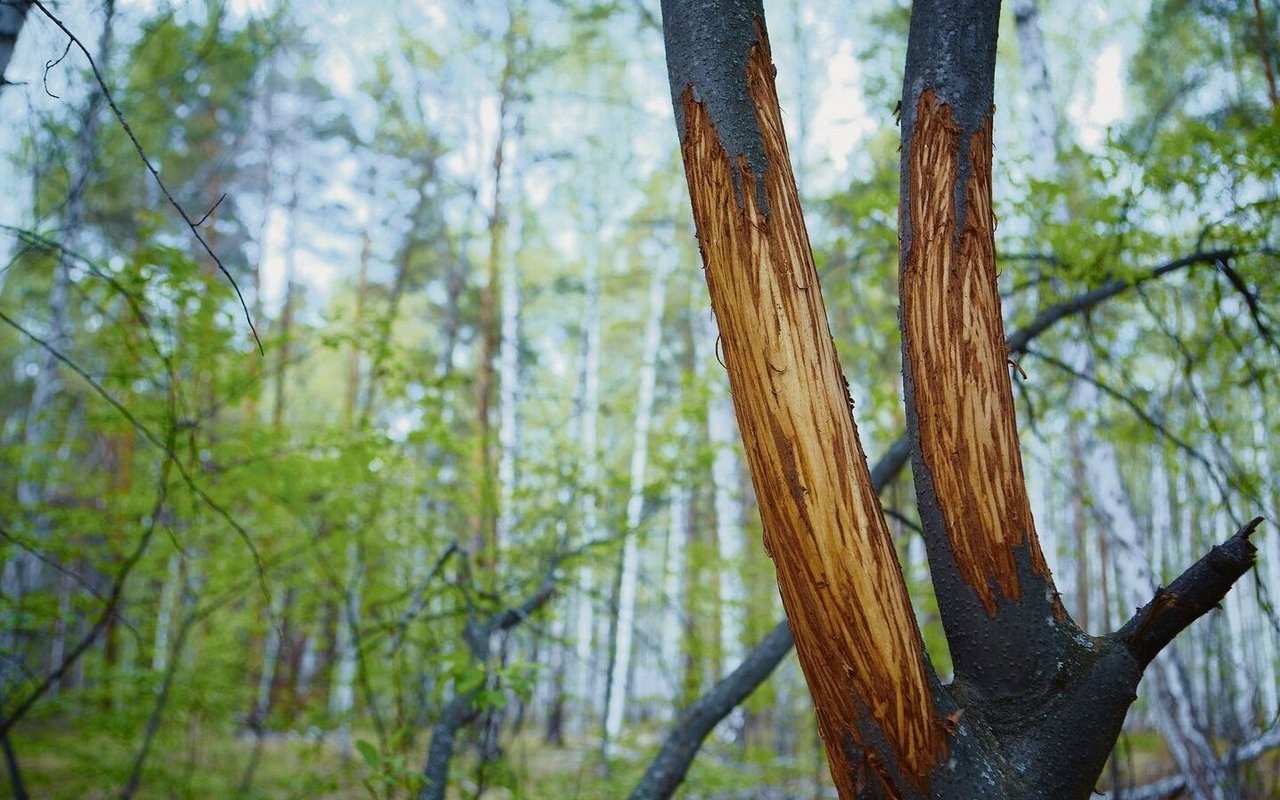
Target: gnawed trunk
x=848, y=608
x=1029, y=682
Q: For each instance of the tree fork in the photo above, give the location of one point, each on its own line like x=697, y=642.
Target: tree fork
x=838, y=575
x=1037, y=704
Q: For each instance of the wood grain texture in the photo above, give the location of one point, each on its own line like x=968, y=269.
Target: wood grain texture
x=954, y=337
x=840, y=581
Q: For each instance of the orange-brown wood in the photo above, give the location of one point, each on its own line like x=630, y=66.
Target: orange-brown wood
x=960, y=359
x=855, y=632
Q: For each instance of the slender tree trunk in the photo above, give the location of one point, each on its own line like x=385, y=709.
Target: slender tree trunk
x=351, y=401
x=616, y=689
x=1035, y=77
x=485, y=535
x=572, y=675
x=164, y=616
x=342, y=692
x=284, y=355
x=509, y=379
x=270, y=659
x=586, y=674
x=1264, y=53
x=163, y=691
x=675, y=583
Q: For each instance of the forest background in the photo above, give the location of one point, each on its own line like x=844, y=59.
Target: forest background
x=478, y=443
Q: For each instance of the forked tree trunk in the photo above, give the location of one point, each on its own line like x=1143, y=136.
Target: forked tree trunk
x=1036, y=704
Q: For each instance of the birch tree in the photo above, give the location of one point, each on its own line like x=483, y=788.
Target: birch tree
x=616, y=688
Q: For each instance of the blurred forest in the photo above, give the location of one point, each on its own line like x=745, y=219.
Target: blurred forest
x=473, y=473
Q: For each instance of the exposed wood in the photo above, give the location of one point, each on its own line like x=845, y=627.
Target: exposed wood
x=848, y=608
x=955, y=340
x=1005, y=624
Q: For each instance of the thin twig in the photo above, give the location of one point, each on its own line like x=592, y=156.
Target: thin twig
x=155, y=173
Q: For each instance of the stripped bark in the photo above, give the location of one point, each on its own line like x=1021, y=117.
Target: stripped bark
x=1029, y=682
x=668, y=768
x=845, y=598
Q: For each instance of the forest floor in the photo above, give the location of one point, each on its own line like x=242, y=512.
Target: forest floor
x=196, y=764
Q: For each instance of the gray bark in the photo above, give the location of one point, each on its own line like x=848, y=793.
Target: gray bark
x=13, y=13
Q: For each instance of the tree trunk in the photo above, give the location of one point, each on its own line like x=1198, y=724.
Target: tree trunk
x=855, y=631
x=1035, y=76
x=164, y=616
x=616, y=688
x=342, y=691
x=509, y=381
x=1028, y=681
x=485, y=535
x=585, y=675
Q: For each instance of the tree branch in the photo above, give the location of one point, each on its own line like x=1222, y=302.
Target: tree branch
x=1190, y=596
x=457, y=712
x=667, y=771
x=1019, y=340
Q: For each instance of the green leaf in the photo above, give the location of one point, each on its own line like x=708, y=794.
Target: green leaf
x=370, y=754
x=469, y=680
